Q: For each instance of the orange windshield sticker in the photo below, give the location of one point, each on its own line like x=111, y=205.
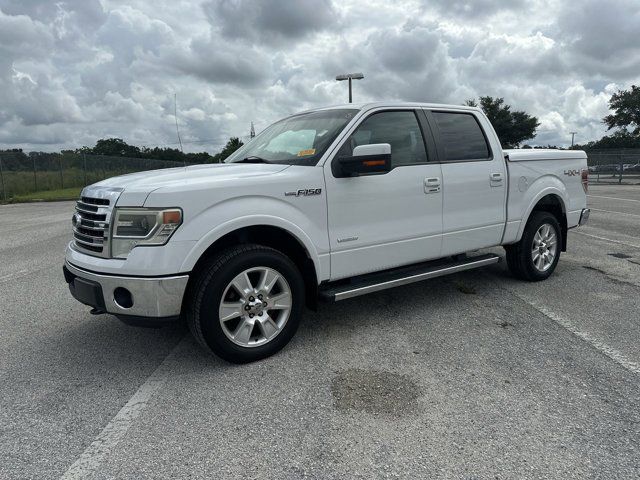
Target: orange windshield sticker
x=308, y=151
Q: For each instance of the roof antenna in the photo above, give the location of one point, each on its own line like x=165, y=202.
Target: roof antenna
x=175, y=115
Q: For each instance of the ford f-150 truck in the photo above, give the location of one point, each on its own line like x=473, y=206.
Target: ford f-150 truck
x=325, y=204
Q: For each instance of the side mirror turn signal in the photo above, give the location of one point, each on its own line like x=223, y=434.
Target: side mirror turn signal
x=366, y=160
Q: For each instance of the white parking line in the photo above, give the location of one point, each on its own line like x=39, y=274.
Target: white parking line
x=606, y=239
x=603, y=348
x=94, y=454
x=615, y=198
x=618, y=213
x=14, y=275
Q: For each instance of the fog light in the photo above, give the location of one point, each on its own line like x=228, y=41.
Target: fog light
x=123, y=298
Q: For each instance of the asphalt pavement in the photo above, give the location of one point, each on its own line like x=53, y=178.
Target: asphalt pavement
x=475, y=375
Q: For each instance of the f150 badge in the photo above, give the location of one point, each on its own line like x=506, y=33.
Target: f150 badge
x=304, y=192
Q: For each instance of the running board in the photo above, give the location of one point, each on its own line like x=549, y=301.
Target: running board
x=401, y=276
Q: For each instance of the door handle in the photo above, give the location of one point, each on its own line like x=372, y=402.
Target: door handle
x=432, y=185
x=495, y=179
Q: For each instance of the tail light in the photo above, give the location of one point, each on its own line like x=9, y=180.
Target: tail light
x=585, y=179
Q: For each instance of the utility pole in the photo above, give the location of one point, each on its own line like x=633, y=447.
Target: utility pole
x=350, y=77
x=573, y=134
x=252, y=132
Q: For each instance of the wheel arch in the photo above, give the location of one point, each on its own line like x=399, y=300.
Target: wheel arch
x=268, y=235
x=554, y=203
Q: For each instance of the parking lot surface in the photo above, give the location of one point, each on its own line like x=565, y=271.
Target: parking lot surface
x=476, y=375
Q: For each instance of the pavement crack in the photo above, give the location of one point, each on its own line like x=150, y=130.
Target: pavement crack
x=610, y=277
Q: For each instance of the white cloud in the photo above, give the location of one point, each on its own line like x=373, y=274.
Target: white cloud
x=77, y=70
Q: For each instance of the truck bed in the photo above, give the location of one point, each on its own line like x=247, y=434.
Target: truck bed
x=534, y=173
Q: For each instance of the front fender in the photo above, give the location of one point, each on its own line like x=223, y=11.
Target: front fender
x=270, y=212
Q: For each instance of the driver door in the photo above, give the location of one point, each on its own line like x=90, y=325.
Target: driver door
x=381, y=221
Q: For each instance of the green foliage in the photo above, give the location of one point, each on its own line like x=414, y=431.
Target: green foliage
x=232, y=145
x=39, y=171
x=512, y=127
x=116, y=147
x=551, y=147
x=48, y=195
x=626, y=105
x=618, y=139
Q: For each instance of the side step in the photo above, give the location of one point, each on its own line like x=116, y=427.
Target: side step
x=375, y=282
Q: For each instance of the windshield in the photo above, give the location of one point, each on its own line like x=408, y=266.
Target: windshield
x=298, y=140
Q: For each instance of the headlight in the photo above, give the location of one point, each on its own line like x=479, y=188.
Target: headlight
x=142, y=226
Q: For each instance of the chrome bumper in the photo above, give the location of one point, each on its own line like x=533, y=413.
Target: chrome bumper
x=584, y=216
x=157, y=297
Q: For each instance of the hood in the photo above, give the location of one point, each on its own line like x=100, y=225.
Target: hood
x=137, y=186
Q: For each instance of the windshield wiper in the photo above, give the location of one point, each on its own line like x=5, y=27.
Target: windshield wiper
x=253, y=159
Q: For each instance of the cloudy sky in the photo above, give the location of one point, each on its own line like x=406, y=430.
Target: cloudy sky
x=73, y=71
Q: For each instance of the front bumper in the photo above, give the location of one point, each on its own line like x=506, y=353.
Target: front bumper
x=158, y=299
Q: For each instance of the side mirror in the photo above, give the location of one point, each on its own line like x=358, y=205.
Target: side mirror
x=366, y=160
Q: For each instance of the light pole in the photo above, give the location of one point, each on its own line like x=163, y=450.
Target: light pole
x=350, y=76
x=573, y=134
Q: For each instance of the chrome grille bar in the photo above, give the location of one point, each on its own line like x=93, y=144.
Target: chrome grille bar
x=84, y=242
x=94, y=235
x=91, y=209
x=87, y=206
x=85, y=224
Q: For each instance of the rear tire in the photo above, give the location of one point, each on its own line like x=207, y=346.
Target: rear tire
x=536, y=255
x=246, y=303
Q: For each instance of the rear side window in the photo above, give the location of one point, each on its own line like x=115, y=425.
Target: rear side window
x=462, y=137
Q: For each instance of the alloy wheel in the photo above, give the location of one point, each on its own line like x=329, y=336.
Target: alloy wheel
x=544, y=248
x=255, y=306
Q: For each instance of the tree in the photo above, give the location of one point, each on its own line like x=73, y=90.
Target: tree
x=626, y=105
x=512, y=127
x=232, y=145
x=619, y=139
x=115, y=147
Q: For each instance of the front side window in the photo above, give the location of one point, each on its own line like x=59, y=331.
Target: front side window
x=399, y=129
x=297, y=140
x=462, y=137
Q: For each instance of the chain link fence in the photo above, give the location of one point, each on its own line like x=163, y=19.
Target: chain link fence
x=614, y=166
x=23, y=174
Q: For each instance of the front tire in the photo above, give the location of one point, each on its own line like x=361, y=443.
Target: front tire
x=536, y=255
x=246, y=303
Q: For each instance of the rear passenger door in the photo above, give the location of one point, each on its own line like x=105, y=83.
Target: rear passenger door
x=378, y=222
x=473, y=182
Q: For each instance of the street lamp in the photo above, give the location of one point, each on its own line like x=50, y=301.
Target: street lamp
x=350, y=76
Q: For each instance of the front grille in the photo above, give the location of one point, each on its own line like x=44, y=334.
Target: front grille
x=95, y=201
x=91, y=225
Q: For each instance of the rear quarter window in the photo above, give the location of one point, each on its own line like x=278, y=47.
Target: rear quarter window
x=461, y=136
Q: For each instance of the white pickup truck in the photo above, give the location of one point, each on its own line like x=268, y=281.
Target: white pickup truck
x=326, y=204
